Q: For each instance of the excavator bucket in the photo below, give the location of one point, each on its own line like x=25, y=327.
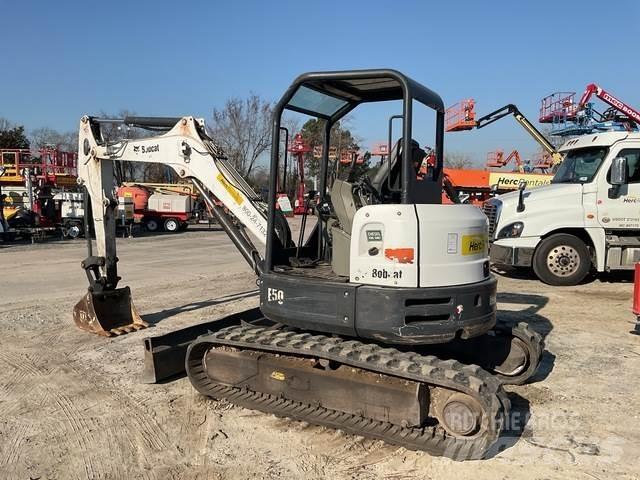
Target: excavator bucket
x=108, y=313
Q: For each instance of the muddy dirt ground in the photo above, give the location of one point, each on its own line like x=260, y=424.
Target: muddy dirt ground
x=72, y=405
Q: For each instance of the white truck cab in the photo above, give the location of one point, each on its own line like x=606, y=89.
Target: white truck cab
x=588, y=218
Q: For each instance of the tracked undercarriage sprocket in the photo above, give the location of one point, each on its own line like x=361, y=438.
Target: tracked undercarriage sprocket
x=462, y=408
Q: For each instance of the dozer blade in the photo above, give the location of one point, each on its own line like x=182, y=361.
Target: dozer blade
x=108, y=313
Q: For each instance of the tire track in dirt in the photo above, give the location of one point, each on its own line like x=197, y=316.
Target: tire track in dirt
x=22, y=369
x=11, y=450
x=152, y=434
x=81, y=432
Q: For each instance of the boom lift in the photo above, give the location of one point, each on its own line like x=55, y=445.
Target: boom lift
x=350, y=320
x=609, y=99
x=570, y=118
x=497, y=160
x=511, y=109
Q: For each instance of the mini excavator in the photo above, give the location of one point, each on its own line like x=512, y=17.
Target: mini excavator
x=380, y=321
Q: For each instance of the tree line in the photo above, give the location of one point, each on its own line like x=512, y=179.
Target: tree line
x=242, y=127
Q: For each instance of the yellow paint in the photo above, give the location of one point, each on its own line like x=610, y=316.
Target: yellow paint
x=231, y=189
x=278, y=376
x=474, y=245
x=510, y=181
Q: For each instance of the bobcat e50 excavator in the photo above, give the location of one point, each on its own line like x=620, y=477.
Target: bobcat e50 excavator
x=364, y=325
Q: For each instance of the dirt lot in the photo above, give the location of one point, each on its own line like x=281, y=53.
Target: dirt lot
x=72, y=407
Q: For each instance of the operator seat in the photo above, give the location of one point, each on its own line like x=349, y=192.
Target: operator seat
x=387, y=179
x=344, y=207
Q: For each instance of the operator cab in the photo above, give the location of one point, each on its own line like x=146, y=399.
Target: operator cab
x=329, y=96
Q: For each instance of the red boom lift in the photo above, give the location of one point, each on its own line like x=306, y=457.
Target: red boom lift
x=609, y=99
x=299, y=147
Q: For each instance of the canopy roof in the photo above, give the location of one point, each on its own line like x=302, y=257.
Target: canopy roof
x=331, y=95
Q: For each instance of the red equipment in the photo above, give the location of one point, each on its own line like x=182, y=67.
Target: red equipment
x=380, y=149
x=53, y=167
x=497, y=160
x=562, y=105
x=299, y=147
x=608, y=99
x=558, y=106
x=636, y=299
x=346, y=157
x=171, y=210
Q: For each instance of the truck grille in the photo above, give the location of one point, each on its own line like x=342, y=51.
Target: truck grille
x=490, y=209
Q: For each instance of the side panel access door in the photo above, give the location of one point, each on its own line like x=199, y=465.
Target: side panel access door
x=622, y=212
x=384, y=246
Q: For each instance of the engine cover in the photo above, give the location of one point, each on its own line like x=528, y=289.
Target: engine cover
x=419, y=245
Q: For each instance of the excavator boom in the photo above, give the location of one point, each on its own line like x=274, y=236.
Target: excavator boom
x=184, y=146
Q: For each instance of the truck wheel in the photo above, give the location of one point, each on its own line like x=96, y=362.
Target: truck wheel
x=171, y=225
x=74, y=230
x=152, y=225
x=562, y=260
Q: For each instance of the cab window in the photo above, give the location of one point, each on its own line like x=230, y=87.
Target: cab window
x=633, y=164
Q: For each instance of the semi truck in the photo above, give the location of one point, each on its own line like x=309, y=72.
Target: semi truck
x=587, y=219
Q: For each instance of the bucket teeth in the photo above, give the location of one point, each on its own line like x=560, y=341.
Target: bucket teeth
x=109, y=313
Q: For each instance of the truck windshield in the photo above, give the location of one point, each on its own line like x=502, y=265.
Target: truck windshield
x=580, y=166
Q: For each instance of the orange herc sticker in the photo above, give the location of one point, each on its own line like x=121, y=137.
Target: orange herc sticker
x=402, y=255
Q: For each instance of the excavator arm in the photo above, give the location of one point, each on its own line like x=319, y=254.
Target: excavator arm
x=511, y=109
x=183, y=145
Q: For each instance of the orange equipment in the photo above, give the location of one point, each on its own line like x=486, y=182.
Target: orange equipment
x=346, y=157
x=475, y=184
x=497, y=160
x=461, y=116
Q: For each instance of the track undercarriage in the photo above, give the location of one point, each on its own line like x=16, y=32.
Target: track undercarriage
x=417, y=400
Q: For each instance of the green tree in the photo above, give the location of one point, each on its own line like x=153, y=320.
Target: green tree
x=341, y=138
x=12, y=136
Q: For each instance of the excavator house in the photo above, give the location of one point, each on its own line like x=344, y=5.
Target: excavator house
x=379, y=321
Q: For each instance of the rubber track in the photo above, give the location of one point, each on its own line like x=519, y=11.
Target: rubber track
x=469, y=379
x=535, y=346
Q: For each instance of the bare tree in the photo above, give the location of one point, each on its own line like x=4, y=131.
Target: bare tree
x=47, y=137
x=457, y=160
x=128, y=171
x=5, y=124
x=243, y=129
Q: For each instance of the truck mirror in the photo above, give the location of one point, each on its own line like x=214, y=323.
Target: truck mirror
x=521, y=187
x=619, y=173
x=493, y=188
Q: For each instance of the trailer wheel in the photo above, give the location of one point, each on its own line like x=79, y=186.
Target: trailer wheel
x=562, y=260
x=74, y=230
x=152, y=225
x=171, y=225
